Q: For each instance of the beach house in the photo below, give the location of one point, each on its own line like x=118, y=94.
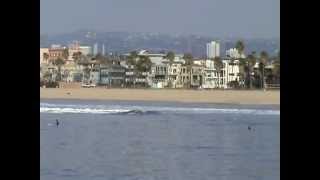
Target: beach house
x=174, y=71
x=112, y=75
x=223, y=78
x=159, y=75
x=196, y=76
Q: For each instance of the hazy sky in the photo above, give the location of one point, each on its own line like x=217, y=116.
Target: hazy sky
x=218, y=18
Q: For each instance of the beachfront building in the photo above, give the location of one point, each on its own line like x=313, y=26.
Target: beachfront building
x=56, y=51
x=71, y=73
x=142, y=79
x=48, y=72
x=130, y=76
x=184, y=78
x=159, y=75
x=94, y=75
x=134, y=78
x=231, y=70
x=196, y=76
x=211, y=78
x=112, y=75
x=174, y=71
x=157, y=58
x=223, y=78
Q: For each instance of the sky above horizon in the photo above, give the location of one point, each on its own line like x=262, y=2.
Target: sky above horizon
x=217, y=18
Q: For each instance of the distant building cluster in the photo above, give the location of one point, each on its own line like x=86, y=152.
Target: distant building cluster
x=213, y=49
x=234, y=53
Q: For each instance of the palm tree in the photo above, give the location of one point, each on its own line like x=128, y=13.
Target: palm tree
x=59, y=62
x=102, y=59
x=243, y=70
x=276, y=68
x=85, y=62
x=143, y=64
x=251, y=62
x=46, y=57
x=264, y=57
x=240, y=47
x=218, y=65
x=47, y=76
x=76, y=56
x=170, y=56
x=188, y=58
x=132, y=58
x=65, y=54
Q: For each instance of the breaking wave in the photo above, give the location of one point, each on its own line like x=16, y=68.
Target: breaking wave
x=142, y=110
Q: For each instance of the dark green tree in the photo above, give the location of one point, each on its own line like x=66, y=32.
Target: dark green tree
x=188, y=58
x=218, y=65
x=240, y=47
x=59, y=63
x=143, y=64
x=132, y=58
x=65, y=54
x=170, y=56
x=251, y=62
x=264, y=58
x=46, y=56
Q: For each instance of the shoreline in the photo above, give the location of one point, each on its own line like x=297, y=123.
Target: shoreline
x=241, y=97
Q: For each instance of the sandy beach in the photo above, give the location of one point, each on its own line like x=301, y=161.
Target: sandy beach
x=173, y=95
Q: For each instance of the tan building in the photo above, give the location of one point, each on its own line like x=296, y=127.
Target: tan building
x=56, y=52
x=75, y=48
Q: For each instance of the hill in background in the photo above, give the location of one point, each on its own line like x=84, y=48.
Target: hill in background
x=122, y=42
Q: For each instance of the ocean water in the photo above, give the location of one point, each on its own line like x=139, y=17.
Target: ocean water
x=118, y=140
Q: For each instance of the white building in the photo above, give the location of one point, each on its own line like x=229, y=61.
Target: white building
x=85, y=50
x=103, y=50
x=158, y=58
x=95, y=49
x=234, y=53
x=213, y=49
x=215, y=79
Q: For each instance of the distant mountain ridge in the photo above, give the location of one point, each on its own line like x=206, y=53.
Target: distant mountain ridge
x=122, y=42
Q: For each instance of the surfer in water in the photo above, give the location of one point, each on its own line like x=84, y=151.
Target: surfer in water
x=249, y=128
x=57, y=122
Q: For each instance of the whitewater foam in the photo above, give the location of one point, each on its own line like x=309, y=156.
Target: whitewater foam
x=125, y=109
